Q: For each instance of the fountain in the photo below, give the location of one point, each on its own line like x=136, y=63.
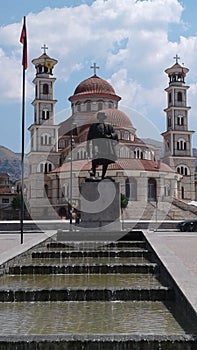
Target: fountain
x=93, y=295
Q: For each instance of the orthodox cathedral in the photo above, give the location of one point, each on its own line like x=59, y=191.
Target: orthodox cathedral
x=58, y=162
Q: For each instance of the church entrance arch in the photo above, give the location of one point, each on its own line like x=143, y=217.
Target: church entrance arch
x=152, y=190
x=131, y=189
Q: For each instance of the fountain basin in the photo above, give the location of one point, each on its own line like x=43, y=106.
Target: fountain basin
x=78, y=281
x=91, y=317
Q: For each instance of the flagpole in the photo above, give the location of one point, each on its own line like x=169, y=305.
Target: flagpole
x=23, y=40
x=22, y=157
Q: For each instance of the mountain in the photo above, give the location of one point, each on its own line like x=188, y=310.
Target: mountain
x=156, y=143
x=10, y=163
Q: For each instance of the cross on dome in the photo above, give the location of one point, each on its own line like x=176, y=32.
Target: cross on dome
x=44, y=47
x=177, y=58
x=95, y=67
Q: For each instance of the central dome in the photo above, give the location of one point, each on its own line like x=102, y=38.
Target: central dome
x=94, y=86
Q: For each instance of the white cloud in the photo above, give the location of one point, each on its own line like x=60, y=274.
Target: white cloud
x=128, y=37
x=10, y=82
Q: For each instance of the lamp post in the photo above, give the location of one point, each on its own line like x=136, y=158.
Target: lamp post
x=71, y=171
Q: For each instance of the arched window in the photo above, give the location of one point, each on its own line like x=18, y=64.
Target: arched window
x=45, y=114
x=126, y=135
x=110, y=104
x=147, y=154
x=100, y=105
x=181, y=145
x=138, y=154
x=118, y=133
x=88, y=106
x=45, y=167
x=180, y=120
x=78, y=106
x=131, y=189
x=124, y=152
x=46, y=139
x=45, y=89
x=183, y=170
x=81, y=154
x=152, y=190
x=179, y=96
x=61, y=143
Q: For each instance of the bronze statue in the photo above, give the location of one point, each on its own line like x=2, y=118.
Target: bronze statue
x=104, y=140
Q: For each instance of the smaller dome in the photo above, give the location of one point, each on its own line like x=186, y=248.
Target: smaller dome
x=115, y=117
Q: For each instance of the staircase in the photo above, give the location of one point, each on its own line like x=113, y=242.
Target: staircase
x=91, y=295
x=162, y=211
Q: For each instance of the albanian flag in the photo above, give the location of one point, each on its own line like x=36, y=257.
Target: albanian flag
x=23, y=40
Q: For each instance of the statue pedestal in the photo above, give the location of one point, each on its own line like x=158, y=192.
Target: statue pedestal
x=100, y=205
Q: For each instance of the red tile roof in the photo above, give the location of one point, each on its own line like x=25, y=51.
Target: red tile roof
x=125, y=164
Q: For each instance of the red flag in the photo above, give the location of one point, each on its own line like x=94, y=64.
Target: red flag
x=23, y=40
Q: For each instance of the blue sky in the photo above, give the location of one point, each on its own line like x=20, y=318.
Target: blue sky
x=133, y=42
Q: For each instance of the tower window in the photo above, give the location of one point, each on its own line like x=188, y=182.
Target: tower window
x=181, y=145
x=180, y=120
x=183, y=170
x=39, y=68
x=170, y=97
x=45, y=167
x=45, y=89
x=46, y=139
x=45, y=114
x=179, y=97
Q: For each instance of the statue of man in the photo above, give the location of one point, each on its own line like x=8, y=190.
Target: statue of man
x=104, y=140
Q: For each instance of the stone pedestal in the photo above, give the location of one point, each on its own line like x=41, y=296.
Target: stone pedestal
x=100, y=205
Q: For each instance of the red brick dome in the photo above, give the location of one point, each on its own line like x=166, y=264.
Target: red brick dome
x=94, y=85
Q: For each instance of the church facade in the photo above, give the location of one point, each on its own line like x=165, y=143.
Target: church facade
x=58, y=162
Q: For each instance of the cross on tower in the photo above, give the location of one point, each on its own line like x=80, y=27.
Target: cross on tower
x=177, y=58
x=44, y=47
x=95, y=67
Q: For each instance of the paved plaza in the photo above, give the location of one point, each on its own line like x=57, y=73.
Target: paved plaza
x=178, y=252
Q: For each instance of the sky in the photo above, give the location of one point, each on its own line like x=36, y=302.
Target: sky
x=131, y=41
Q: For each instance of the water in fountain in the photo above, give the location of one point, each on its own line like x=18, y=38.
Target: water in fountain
x=90, y=295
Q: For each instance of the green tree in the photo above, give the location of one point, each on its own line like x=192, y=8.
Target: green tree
x=16, y=202
x=123, y=201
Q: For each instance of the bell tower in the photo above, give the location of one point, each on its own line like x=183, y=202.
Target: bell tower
x=177, y=137
x=43, y=154
x=43, y=131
